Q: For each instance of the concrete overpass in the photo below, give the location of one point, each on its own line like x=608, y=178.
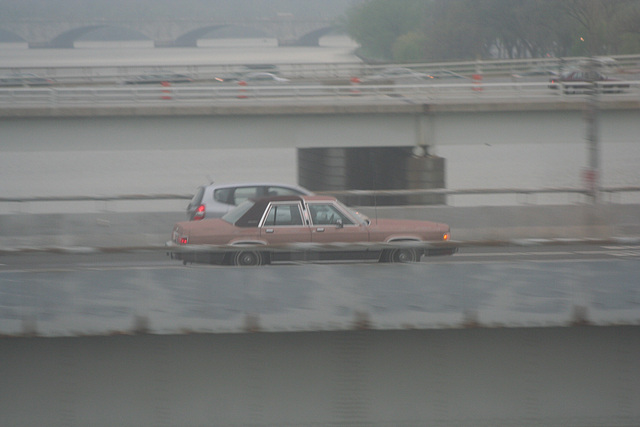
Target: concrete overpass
x=296, y=123
x=164, y=129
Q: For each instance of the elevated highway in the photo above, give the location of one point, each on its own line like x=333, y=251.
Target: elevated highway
x=309, y=116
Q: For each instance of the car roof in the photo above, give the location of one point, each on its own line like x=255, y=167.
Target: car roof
x=216, y=186
x=260, y=73
x=250, y=184
x=296, y=198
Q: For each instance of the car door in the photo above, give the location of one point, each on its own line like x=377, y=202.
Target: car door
x=284, y=223
x=330, y=224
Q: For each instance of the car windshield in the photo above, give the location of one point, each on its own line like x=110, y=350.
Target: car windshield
x=235, y=214
x=361, y=218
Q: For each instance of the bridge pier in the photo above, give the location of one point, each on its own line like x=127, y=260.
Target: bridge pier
x=175, y=43
x=298, y=42
x=164, y=43
x=51, y=45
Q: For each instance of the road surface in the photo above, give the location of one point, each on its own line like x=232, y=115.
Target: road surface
x=103, y=293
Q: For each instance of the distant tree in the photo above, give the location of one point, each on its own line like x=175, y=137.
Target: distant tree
x=409, y=47
x=471, y=29
x=377, y=24
x=603, y=25
x=454, y=32
x=521, y=29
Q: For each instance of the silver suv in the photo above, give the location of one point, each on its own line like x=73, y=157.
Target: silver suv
x=215, y=200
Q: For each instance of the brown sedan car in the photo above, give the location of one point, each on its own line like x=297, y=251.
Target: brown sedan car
x=304, y=228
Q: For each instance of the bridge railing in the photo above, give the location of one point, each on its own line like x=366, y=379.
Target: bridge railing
x=189, y=94
x=340, y=70
x=453, y=197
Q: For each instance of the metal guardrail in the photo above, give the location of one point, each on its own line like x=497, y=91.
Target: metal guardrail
x=188, y=94
x=497, y=67
x=408, y=192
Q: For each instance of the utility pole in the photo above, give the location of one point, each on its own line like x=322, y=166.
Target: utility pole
x=592, y=173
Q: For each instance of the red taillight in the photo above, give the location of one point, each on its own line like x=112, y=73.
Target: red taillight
x=199, y=213
x=446, y=236
x=184, y=240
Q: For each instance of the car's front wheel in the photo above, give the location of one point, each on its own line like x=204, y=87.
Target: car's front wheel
x=247, y=258
x=403, y=255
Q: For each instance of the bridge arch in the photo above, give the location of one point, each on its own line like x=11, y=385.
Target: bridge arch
x=190, y=38
x=61, y=34
x=67, y=38
x=10, y=36
x=313, y=38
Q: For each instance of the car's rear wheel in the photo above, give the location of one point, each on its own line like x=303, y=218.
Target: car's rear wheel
x=247, y=258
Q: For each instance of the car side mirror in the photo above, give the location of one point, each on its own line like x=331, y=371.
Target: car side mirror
x=339, y=223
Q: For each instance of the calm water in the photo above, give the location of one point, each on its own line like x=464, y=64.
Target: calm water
x=107, y=173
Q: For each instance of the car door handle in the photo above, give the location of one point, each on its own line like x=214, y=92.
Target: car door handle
x=269, y=230
x=320, y=230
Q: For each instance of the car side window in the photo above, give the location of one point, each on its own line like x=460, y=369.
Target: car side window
x=244, y=193
x=327, y=214
x=280, y=191
x=283, y=214
x=223, y=195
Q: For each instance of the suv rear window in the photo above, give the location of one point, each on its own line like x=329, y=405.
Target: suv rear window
x=197, y=198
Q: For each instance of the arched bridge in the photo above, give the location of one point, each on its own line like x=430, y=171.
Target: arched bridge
x=288, y=30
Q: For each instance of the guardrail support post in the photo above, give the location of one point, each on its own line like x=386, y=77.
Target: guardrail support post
x=591, y=175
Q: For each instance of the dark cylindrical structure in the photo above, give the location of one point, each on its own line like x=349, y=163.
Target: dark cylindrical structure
x=371, y=168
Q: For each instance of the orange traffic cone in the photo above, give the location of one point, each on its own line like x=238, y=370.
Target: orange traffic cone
x=355, y=82
x=477, y=82
x=166, y=91
x=243, y=91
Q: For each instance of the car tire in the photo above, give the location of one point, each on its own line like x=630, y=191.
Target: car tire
x=247, y=258
x=403, y=255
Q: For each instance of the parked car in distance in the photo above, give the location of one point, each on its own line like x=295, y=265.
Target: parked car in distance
x=397, y=74
x=215, y=200
x=24, y=79
x=534, y=72
x=159, y=79
x=240, y=73
x=263, y=78
x=578, y=81
x=226, y=78
x=444, y=74
x=304, y=228
x=259, y=68
x=602, y=63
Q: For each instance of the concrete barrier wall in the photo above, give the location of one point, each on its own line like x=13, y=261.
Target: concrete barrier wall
x=110, y=229
x=463, y=377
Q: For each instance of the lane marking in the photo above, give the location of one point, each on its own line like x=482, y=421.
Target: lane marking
x=483, y=254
